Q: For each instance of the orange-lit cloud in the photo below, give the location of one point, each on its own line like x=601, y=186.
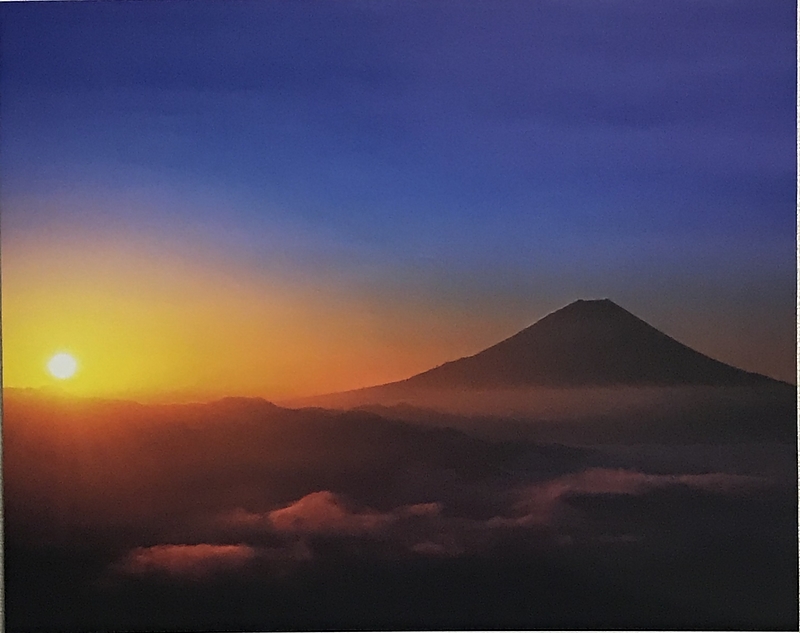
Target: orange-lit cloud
x=188, y=561
x=419, y=528
x=202, y=561
x=326, y=513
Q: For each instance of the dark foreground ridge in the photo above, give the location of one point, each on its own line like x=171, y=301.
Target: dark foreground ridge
x=586, y=343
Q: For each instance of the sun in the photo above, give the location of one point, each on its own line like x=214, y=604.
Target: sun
x=62, y=366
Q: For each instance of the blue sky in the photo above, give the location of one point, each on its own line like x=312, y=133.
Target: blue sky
x=497, y=158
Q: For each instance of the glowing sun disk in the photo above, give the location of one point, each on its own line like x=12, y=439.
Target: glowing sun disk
x=62, y=366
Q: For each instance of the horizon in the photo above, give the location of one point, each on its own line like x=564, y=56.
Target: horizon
x=63, y=388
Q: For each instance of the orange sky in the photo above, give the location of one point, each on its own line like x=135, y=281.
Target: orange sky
x=151, y=323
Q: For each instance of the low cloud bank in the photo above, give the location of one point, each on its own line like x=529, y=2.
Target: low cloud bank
x=198, y=562
x=621, y=481
x=540, y=503
x=539, y=513
x=189, y=561
x=327, y=513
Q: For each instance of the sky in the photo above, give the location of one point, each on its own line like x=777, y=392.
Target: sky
x=289, y=198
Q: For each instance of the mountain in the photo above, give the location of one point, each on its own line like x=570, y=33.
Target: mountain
x=586, y=343
x=575, y=360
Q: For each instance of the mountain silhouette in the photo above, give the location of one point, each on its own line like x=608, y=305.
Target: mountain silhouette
x=586, y=343
x=589, y=372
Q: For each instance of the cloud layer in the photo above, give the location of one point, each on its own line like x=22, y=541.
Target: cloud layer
x=546, y=511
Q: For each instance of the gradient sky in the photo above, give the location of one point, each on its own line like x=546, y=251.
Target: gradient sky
x=287, y=198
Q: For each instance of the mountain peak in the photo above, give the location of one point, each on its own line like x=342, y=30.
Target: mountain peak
x=592, y=307
x=588, y=302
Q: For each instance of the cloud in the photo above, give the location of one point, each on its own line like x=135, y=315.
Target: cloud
x=321, y=512
x=621, y=481
x=421, y=509
x=419, y=528
x=547, y=508
x=541, y=503
x=327, y=513
x=201, y=561
x=424, y=529
x=187, y=561
x=431, y=548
